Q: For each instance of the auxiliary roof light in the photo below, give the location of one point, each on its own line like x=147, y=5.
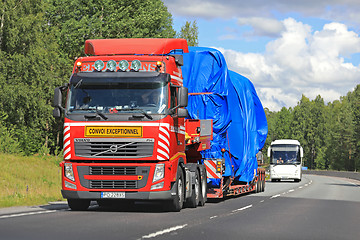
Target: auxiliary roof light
x=136, y=65
x=78, y=64
x=99, y=65
x=111, y=65
x=123, y=65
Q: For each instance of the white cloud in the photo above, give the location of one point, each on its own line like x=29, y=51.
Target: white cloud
x=262, y=26
x=338, y=10
x=301, y=62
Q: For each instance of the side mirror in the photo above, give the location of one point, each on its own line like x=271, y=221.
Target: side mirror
x=179, y=59
x=182, y=113
x=57, y=103
x=301, y=152
x=269, y=152
x=57, y=97
x=183, y=97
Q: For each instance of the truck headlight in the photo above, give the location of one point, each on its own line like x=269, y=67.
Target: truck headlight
x=69, y=173
x=159, y=172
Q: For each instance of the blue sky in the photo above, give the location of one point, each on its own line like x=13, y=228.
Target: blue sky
x=285, y=47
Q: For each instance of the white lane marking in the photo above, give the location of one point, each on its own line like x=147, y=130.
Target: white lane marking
x=301, y=187
x=306, y=185
x=275, y=196
x=152, y=235
x=291, y=190
x=213, y=217
x=26, y=214
x=243, y=208
x=262, y=201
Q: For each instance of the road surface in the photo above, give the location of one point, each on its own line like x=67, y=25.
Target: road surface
x=318, y=207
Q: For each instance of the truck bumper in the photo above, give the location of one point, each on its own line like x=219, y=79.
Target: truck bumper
x=163, y=195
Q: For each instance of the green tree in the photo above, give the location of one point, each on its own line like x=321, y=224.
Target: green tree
x=355, y=108
x=317, y=140
x=190, y=32
x=79, y=20
x=340, y=135
x=283, y=120
x=38, y=43
x=300, y=127
x=30, y=70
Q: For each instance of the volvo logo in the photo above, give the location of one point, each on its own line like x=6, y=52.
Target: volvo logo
x=113, y=148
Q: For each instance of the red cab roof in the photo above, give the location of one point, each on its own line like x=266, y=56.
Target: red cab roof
x=134, y=46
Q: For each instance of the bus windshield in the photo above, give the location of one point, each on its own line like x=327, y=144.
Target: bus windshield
x=285, y=154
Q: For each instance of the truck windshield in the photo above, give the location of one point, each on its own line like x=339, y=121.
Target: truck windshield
x=285, y=154
x=118, y=98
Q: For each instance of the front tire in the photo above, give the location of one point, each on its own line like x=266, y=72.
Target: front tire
x=177, y=203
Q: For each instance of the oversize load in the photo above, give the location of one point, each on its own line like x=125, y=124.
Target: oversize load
x=112, y=131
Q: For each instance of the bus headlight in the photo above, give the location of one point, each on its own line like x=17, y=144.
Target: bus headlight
x=159, y=172
x=69, y=173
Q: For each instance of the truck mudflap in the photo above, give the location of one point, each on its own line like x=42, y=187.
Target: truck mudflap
x=160, y=195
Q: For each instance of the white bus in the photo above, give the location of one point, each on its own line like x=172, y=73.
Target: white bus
x=285, y=160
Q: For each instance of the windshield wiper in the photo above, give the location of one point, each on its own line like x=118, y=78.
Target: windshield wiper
x=78, y=84
x=137, y=109
x=98, y=113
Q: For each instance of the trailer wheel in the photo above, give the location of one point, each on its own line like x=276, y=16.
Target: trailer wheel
x=263, y=185
x=193, y=201
x=177, y=203
x=78, y=204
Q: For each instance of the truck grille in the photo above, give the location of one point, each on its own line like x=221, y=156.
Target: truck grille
x=114, y=148
x=112, y=170
x=99, y=184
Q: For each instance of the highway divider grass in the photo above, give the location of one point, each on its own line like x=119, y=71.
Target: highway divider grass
x=29, y=180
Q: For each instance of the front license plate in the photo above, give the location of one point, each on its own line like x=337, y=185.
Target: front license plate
x=112, y=194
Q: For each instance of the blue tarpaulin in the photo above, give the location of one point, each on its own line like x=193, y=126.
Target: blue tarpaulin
x=230, y=99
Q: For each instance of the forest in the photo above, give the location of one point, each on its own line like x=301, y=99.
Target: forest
x=329, y=133
x=40, y=39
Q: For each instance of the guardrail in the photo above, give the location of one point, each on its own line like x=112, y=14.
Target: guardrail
x=352, y=175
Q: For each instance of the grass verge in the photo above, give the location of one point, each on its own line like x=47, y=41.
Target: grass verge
x=29, y=181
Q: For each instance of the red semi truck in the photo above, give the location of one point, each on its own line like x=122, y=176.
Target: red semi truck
x=126, y=136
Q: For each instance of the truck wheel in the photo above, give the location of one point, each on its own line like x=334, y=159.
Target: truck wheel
x=177, y=203
x=193, y=201
x=78, y=204
x=263, y=185
x=257, y=186
x=203, y=190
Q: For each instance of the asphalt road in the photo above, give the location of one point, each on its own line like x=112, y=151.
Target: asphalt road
x=318, y=207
